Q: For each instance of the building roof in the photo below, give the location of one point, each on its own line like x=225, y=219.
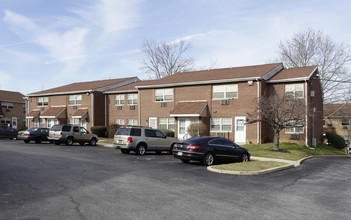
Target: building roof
x=337, y=110
x=53, y=112
x=11, y=96
x=189, y=109
x=294, y=74
x=33, y=114
x=80, y=113
x=101, y=85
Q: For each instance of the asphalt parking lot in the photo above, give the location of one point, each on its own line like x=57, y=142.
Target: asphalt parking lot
x=46, y=181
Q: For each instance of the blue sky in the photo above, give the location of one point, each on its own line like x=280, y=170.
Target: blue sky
x=45, y=44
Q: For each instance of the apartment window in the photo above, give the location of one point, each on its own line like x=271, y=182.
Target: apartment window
x=75, y=99
x=163, y=95
x=221, y=124
x=119, y=121
x=43, y=101
x=5, y=120
x=73, y=121
x=119, y=99
x=132, y=122
x=7, y=105
x=52, y=122
x=294, y=90
x=294, y=130
x=166, y=123
x=42, y=123
x=345, y=122
x=225, y=91
x=36, y=122
x=132, y=99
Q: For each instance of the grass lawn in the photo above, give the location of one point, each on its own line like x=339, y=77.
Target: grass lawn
x=294, y=151
x=105, y=140
x=250, y=166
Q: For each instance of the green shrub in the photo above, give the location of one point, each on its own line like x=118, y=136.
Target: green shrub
x=167, y=132
x=111, y=130
x=336, y=140
x=100, y=131
x=22, y=129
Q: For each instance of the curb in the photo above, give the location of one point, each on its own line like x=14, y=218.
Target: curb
x=105, y=145
x=291, y=164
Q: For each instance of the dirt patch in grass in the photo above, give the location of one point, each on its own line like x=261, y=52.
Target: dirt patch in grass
x=250, y=166
x=280, y=150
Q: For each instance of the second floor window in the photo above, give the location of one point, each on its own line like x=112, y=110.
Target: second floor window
x=43, y=101
x=225, y=91
x=75, y=100
x=163, y=95
x=119, y=99
x=132, y=99
x=7, y=105
x=345, y=122
x=294, y=90
x=119, y=121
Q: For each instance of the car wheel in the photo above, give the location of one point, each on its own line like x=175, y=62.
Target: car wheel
x=185, y=160
x=93, y=142
x=124, y=151
x=82, y=143
x=69, y=141
x=244, y=158
x=26, y=141
x=51, y=142
x=208, y=159
x=38, y=140
x=57, y=142
x=141, y=149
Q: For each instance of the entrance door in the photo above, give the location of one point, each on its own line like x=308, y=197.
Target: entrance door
x=183, y=124
x=14, y=122
x=240, y=129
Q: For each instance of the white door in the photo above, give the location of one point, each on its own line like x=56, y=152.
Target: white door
x=183, y=124
x=14, y=122
x=153, y=123
x=240, y=129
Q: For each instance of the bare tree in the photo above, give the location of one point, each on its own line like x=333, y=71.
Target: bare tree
x=312, y=47
x=165, y=59
x=279, y=113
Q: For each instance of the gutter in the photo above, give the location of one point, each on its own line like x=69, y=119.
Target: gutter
x=60, y=93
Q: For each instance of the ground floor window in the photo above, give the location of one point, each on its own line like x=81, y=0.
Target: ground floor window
x=132, y=122
x=294, y=130
x=221, y=124
x=119, y=121
x=52, y=122
x=5, y=120
x=42, y=123
x=166, y=123
x=36, y=122
x=73, y=121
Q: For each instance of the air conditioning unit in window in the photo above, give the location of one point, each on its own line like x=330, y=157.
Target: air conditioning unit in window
x=220, y=134
x=294, y=137
x=132, y=107
x=224, y=102
x=163, y=104
x=74, y=107
x=119, y=107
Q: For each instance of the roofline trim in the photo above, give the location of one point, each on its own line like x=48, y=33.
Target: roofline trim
x=13, y=101
x=81, y=116
x=288, y=80
x=184, y=115
x=309, y=76
x=119, y=92
x=198, y=83
x=60, y=93
x=64, y=109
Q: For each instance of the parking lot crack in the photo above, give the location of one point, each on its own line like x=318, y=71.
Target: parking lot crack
x=77, y=207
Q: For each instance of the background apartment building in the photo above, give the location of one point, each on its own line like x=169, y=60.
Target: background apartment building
x=12, y=111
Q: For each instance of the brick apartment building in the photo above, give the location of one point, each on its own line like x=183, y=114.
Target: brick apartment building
x=218, y=100
x=337, y=120
x=77, y=103
x=12, y=111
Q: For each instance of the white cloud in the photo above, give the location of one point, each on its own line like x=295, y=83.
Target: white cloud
x=6, y=81
x=18, y=20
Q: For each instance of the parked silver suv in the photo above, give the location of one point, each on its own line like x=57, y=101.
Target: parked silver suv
x=141, y=139
x=70, y=133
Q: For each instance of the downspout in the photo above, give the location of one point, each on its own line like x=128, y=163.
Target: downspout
x=27, y=100
x=306, y=113
x=105, y=112
x=139, y=108
x=258, y=112
x=92, y=109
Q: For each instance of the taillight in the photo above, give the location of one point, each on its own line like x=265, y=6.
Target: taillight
x=28, y=134
x=19, y=133
x=61, y=133
x=175, y=146
x=192, y=147
x=129, y=140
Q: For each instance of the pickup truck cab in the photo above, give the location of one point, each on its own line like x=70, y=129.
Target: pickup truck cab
x=69, y=134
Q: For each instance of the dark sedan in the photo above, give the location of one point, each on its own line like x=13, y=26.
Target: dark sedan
x=7, y=132
x=34, y=134
x=210, y=150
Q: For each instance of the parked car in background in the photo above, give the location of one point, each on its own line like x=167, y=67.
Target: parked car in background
x=348, y=148
x=209, y=150
x=69, y=134
x=34, y=134
x=8, y=132
x=142, y=139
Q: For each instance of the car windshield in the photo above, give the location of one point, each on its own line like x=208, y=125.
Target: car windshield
x=56, y=128
x=32, y=129
x=123, y=131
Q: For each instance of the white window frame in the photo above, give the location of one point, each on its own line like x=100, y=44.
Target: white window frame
x=119, y=121
x=42, y=101
x=132, y=99
x=134, y=122
x=294, y=88
x=162, y=94
x=7, y=105
x=292, y=130
x=36, y=122
x=76, y=99
x=345, y=122
x=225, y=89
x=48, y=122
x=170, y=123
x=119, y=100
x=74, y=121
x=5, y=120
x=221, y=124
x=42, y=123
